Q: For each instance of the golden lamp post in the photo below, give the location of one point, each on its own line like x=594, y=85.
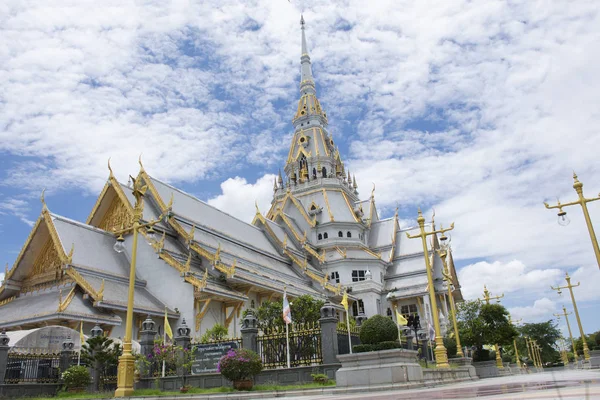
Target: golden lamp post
x=538, y=352
x=515, y=342
x=443, y=253
x=441, y=356
x=126, y=368
x=586, y=350
x=487, y=297
x=582, y=201
x=565, y=314
x=530, y=350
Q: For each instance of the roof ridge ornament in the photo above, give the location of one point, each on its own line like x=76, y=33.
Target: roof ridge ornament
x=43, y=200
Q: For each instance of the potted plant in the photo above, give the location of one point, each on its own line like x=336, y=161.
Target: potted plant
x=240, y=366
x=76, y=378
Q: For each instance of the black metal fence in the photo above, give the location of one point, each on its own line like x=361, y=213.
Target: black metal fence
x=24, y=367
x=305, y=346
x=342, y=338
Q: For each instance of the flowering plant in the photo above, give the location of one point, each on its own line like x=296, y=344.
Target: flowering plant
x=239, y=364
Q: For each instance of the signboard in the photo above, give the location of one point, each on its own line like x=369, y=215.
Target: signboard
x=206, y=356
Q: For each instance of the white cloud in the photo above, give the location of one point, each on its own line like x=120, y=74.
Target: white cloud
x=17, y=208
x=505, y=278
x=238, y=196
x=541, y=310
x=480, y=109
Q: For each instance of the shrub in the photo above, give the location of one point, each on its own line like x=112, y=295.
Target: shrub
x=378, y=329
x=362, y=348
x=386, y=345
x=450, y=344
x=320, y=378
x=216, y=333
x=239, y=365
x=482, y=355
x=76, y=376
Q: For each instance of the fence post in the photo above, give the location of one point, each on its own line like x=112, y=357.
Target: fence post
x=329, y=340
x=95, y=369
x=250, y=332
x=184, y=340
x=147, y=336
x=4, y=339
x=66, y=354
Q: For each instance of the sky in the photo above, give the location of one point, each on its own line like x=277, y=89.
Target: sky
x=479, y=110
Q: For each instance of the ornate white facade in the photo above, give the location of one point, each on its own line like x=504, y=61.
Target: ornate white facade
x=206, y=266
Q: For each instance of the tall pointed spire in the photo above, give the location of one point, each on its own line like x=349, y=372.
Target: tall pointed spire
x=306, y=78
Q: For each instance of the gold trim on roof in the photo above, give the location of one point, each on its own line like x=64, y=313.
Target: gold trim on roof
x=342, y=252
x=7, y=300
x=327, y=204
x=85, y=285
x=323, y=141
x=394, y=234
x=63, y=304
x=350, y=207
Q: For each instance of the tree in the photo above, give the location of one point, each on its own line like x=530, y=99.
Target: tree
x=217, y=333
x=546, y=334
x=591, y=342
x=484, y=324
x=102, y=355
x=305, y=309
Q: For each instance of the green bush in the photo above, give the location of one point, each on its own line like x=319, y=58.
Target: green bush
x=386, y=345
x=450, y=344
x=216, y=333
x=320, y=378
x=362, y=348
x=76, y=376
x=239, y=364
x=378, y=329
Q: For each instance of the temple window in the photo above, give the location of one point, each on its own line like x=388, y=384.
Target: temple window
x=357, y=307
x=314, y=173
x=410, y=309
x=325, y=235
x=324, y=172
x=320, y=237
x=349, y=234
x=340, y=234
x=358, y=275
x=335, y=277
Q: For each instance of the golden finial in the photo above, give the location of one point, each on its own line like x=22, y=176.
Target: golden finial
x=285, y=240
x=110, y=169
x=140, y=162
x=433, y=218
x=170, y=204
x=192, y=233
x=354, y=182
x=218, y=253
x=373, y=191
x=256, y=205
x=43, y=199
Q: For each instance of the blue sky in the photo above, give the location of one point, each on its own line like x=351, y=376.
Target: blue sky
x=481, y=111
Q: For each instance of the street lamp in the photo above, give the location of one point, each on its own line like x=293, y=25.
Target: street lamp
x=582, y=201
x=515, y=342
x=126, y=368
x=586, y=350
x=441, y=355
x=487, y=297
x=565, y=314
x=443, y=253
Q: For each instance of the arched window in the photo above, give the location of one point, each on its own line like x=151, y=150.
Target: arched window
x=324, y=172
x=320, y=237
x=340, y=234
x=348, y=234
x=325, y=235
x=314, y=173
x=303, y=163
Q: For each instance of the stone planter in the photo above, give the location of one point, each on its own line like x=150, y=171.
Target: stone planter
x=378, y=368
x=486, y=369
x=595, y=359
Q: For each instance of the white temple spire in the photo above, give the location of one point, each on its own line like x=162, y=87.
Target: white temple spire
x=306, y=78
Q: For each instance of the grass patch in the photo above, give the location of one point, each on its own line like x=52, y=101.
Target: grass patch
x=157, y=392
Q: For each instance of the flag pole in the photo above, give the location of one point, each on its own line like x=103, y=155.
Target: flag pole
x=164, y=342
x=287, y=343
x=348, y=328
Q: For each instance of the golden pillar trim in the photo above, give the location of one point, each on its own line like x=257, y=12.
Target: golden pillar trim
x=586, y=350
x=582, y=201
x=449, y=281
x=517, y=358
x=440, y=350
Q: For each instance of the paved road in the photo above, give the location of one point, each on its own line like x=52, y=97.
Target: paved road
x=556, y=384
